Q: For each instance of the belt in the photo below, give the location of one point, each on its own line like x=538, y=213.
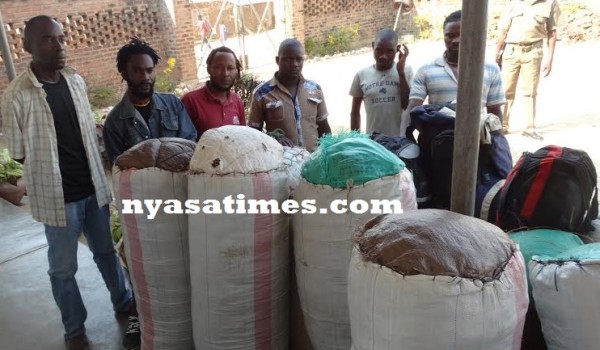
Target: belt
x=539, y=42
x=526, y=47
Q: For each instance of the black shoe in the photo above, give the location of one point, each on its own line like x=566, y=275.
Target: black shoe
x=534, y=135
x=79, y=342
x=131, y=339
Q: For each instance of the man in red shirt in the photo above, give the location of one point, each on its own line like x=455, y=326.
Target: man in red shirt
x=214, y=104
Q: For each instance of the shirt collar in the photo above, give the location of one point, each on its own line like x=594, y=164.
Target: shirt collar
x=211, y=96
x=275, y=82
x=67, y=70
x=440, y=61
x=157, y=104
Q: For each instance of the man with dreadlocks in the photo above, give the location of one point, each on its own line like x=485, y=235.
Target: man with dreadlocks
x=142, y=113
x=50, y=128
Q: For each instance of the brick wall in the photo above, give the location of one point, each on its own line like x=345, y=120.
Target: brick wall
x=313, y=18
x=96, y=29
x=321, y=16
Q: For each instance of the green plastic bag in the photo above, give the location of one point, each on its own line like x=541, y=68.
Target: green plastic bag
x=349, y=159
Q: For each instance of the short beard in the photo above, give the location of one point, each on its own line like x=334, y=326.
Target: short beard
x=133, y=89
x=214, y=87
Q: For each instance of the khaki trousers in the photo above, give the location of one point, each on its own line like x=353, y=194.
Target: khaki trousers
x=521, y=64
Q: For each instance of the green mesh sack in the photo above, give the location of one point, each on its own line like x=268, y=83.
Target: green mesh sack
x=585, y=252
x=349, y=158
x=543, y=242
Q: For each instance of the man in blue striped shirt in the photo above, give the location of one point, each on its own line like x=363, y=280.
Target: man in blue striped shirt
x=438, y=80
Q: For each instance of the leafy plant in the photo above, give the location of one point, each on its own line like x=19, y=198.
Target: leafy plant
x=571, y=8
x=165, y=81
x=10, y=170
x=244, y=86
x=102, y=96
x=336, y=40
x=424, y=27
x=115, y=225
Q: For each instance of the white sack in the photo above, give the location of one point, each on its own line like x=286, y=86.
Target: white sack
x=389, y=311
x=239, y=266
x=157, y=256
x=234, y=149
x=323, y=247
x=567, y=299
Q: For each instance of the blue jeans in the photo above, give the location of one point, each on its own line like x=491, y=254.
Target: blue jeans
x=83, y=216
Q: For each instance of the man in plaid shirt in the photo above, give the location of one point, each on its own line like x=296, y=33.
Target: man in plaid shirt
x=50, y=128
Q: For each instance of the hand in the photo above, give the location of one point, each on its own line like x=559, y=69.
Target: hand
x=402, y=54
x=546, y=68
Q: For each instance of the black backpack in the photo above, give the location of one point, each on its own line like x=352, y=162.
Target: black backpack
x=436, y=139
x=554, y=187
x=409, y=152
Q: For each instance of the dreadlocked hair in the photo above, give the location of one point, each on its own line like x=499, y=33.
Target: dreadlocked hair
x=135, y=46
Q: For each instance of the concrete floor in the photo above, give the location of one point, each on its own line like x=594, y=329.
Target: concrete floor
x=29, y=318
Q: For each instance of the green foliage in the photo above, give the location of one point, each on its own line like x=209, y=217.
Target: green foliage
x=571, y=7
x=336, y=40
x=102, y=96
x=244, y=87
x=424, y=27
x=115, y=226
x=311, y=46
x=165, y=81
x=10, y=170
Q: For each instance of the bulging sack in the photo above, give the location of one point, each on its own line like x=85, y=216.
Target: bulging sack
x=239, y=261
x=233, y=149
x=156, y=248
x=566, y=290
x=168, y=153
x=431, y=279
x=322, y=251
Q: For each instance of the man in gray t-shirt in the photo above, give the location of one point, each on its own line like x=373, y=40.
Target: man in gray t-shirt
x=382, y=86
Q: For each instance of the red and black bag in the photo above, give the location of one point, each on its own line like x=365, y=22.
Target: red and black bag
x=554, y=187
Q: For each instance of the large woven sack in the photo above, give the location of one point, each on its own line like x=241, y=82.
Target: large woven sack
x=323, y=247
x=566, y=289
x=157, y=249
x=539, y=242
x=431, y=279
x=231, y=149
x=239, y=262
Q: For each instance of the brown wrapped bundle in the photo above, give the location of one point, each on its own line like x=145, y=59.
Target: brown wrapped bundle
x=168, y=153
x=433, y=279
x=436, y=243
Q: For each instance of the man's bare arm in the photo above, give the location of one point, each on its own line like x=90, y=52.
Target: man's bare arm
x=547, y=66
x=404, y=87
x=355, y=113
x=495, y=109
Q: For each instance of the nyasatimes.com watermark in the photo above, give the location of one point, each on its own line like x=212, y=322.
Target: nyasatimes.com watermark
x=241, y=205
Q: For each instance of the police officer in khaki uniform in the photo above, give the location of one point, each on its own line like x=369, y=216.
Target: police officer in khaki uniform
x=523, y=28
